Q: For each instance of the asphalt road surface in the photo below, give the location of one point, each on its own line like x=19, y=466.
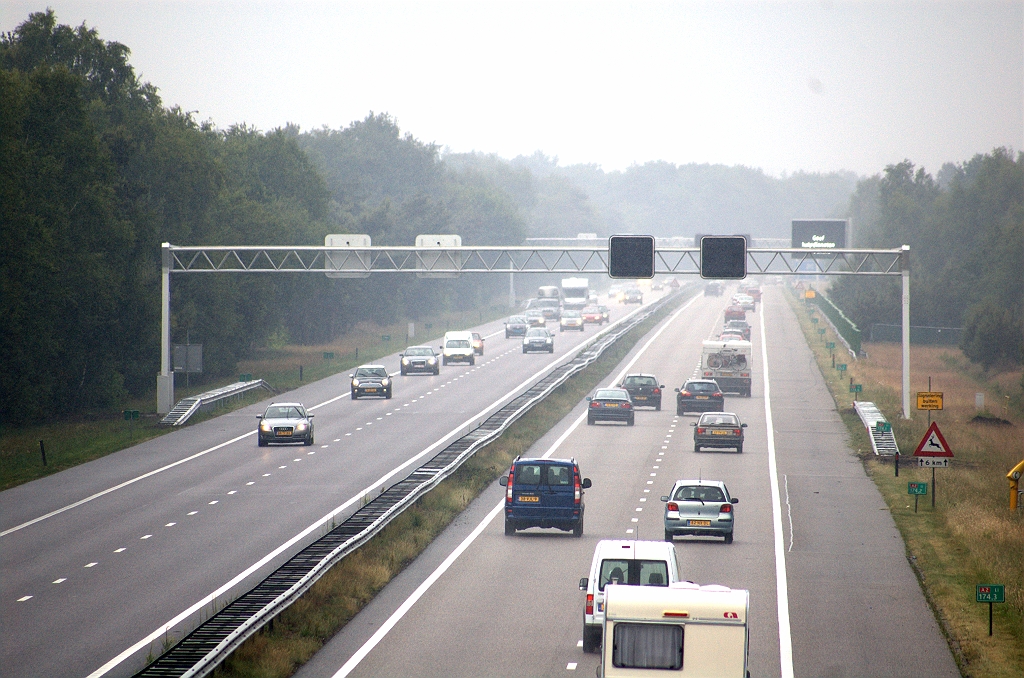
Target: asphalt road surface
x=831, y=591
x=105, y=562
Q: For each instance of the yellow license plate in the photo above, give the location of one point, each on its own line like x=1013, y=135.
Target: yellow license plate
x=370, y=390
x=284, y=433
x=720, y=433
x=699, y=523
x=521, y=498
x=640, y=397
x=611, y=404
x=702, y=397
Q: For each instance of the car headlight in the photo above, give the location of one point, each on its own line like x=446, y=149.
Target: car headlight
x=548, y=340
x=431, y=361
x=301, y=426
x=385, y=382
x=355, y=383
x=265, y=427
x=405, y=361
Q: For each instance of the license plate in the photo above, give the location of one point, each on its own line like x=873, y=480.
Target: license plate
x=284, y=433
x=611, y=404
x=528, y=498
x=702, y=397
x=720, y=433
x=699, y=523
x=640, y=397
x=370, y=390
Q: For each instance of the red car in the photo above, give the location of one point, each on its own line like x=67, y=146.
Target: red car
x=735, y=313
x=593, y=315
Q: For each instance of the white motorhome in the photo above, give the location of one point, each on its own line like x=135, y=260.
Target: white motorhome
x=728, y=363
x=575, y=293
x=686, y=630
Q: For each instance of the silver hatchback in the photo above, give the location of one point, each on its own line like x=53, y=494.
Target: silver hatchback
x=701, y=508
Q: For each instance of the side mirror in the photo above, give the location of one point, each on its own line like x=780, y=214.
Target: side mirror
x=676, y=390
x=259, y=416
x=734, y=500
x=401, y=355
x=503, y=481
x=662, y=386
x=584, y=582
x=589, y=399
x=743, y=425
x=586, y=483
x=310, y=416
x=664, y=498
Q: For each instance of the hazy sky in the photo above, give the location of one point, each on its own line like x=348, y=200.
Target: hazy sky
x=813, y=86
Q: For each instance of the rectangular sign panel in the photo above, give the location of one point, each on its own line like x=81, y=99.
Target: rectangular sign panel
x=826, y=234
x=991, y=593
x=917, y=488
x=929, y=400
x=933, y=462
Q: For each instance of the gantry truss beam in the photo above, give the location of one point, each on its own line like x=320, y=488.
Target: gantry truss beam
x=490, y=259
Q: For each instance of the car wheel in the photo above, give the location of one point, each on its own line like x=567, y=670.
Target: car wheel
x=590, y=421
x=510, y=528
x=551, y=350
x=444, y=361
x=591, y=638
x=524, y=349
x=437, y=371
x=560, y=330
x=657, y=406
x=668, y=536
x=696, y=448
x=630, y=421
x=260, y=442
x=403, y=372
x=472, y=361
x=739, y=448
x=577, y=529
x=308, y=441
x=728, y=538
x=388, y=394
x=506, y=335
x=354, y=396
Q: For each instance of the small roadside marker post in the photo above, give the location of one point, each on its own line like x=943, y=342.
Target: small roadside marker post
x=990, y=593
x=917, y=489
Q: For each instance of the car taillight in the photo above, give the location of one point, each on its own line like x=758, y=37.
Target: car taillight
x=716, y=394
x=726, y=508
x=594, y=403
x=684, y=393
x=735, y=431
x=672, y=506
x=626, y=405
x=657, y=391
x=578, y=489
x=508, y=492
x=590, y=603
x=744, y=374
x=701, y=431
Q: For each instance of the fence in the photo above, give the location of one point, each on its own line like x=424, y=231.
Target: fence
x=843, y=325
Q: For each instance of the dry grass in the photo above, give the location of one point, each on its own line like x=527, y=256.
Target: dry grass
x=281, y=648
x=971, y=537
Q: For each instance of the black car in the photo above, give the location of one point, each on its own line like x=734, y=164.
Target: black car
x=699, y=395
x=372, y=380
x=713, y=289
x=420, y=359
x=644, y=389
x=610, y=404
x=516, y=326
x=544, y=493
x=633, y=296
x=285, y=423
x=538, y=339
x=741, y=326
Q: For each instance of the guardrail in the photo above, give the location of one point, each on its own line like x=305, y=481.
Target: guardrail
x=202, y=650
x=186, y=407
x=883, y=442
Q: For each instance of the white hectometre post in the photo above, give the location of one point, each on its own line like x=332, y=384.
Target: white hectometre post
x=905, y=271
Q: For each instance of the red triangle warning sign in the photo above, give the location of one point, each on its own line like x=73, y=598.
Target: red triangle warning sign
x=933, y=444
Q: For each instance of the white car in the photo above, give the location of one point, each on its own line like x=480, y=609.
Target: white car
x=638, y=563
x=570, y=320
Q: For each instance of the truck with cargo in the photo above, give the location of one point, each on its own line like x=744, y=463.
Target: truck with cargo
x=729, y=364
x=683, y=630
x=575, y=293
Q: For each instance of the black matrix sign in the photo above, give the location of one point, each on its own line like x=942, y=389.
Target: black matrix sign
x=823, y=234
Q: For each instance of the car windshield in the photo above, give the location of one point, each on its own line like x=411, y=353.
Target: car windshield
x=534, y=312
x=516, y=320
x=701, y=387
x=476, y=336
x=284, y=412
x=718, y=419
x=371, y=372
x=640, y=381
x=611, y=394
x=423, y=350
x=590, y=310
x=457, y=343
x=699, y=493
x=634, y=572
x=570, y=314
x=537, y=332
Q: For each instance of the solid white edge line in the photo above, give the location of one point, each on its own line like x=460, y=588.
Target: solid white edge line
x=781, y=582
x=397, y=615
x=158, y=633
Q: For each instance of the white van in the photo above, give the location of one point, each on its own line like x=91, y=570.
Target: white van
x=638, y=563
x=458, y=347
x=686, y=630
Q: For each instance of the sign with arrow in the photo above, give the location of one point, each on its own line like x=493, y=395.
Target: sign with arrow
x=933, y=444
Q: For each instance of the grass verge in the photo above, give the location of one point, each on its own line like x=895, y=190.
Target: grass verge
x=970, y=537
x=71, y=442
x=303, y=628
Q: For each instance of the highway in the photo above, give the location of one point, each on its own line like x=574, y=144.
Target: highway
x=831, y=591
x=105, y=562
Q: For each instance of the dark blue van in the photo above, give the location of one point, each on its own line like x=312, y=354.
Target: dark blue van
x=544, y=493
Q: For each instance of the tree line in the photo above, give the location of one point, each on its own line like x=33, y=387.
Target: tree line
x=965, y=228
x=95, y=172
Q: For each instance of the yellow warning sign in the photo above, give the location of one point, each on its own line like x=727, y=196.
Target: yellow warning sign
x=929, y=400
x=809, y=294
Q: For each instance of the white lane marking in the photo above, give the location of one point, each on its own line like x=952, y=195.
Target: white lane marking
x=145, y=536
x=92, y=565
x=296, y=459
x=571, y=666
x=119, y=550
x=265, y=475
x=337, y=440
x=195, y=607
x=781, y=583
x=639, y=509
x=213, y=502
x=60, y=581
x=170, y=524
x=361, y=653
x=634, y=520
x=232, y=491
x=24, y=598
x=789, y=510
x=650, y=482
x=629, y=531
x=579, y=643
